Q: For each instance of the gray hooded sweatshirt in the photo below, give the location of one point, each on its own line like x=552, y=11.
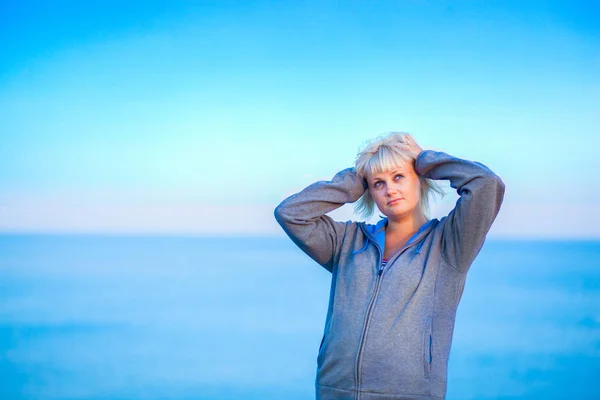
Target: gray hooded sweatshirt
x=388, y=331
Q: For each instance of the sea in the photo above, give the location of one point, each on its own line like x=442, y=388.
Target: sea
x=193, y=317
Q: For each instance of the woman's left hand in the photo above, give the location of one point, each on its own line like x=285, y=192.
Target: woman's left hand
x=411, y=145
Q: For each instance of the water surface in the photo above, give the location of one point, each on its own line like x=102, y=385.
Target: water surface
x=106, y=317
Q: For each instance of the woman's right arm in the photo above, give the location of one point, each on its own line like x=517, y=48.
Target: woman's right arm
x=303, y=215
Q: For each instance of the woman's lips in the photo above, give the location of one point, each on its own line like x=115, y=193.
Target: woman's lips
x=393, y=202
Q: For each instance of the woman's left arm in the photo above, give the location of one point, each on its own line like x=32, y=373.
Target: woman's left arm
x=481, y=193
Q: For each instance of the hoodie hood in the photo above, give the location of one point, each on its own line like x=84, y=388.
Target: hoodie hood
x=376, y=233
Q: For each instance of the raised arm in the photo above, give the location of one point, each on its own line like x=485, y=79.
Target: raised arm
x=302, y=215
x=481, y=193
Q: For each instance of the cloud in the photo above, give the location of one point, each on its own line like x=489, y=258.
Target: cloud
x=132, y=219
x=517, y=219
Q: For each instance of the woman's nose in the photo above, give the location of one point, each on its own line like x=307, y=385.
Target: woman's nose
x=391, y=190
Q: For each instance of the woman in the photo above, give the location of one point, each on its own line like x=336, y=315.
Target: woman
x=396, y=285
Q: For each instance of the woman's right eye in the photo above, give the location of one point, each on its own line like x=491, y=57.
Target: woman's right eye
x=377, y=184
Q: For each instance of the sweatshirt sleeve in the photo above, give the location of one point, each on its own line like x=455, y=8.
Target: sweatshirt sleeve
x=302, y=215
x=481, y=193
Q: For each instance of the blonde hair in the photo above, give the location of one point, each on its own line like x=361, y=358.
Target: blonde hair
x=382, y=154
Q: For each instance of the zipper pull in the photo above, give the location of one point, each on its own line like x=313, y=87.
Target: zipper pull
x=380, y=272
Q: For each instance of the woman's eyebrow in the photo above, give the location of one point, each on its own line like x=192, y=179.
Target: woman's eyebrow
x=394, y=172
x=378, y=176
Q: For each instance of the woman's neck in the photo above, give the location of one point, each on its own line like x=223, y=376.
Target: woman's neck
x=405, y=226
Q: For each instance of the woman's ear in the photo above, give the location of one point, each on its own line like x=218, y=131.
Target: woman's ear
x=367, y=179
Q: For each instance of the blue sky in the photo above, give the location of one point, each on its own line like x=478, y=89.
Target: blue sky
x=200, y=117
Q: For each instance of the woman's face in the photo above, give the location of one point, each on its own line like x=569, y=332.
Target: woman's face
x=397, y=193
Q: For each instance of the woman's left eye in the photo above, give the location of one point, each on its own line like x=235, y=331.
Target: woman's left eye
x=398, y=176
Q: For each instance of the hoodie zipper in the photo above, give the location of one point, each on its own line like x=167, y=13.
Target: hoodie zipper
x=380, y=271
x=366, y=324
